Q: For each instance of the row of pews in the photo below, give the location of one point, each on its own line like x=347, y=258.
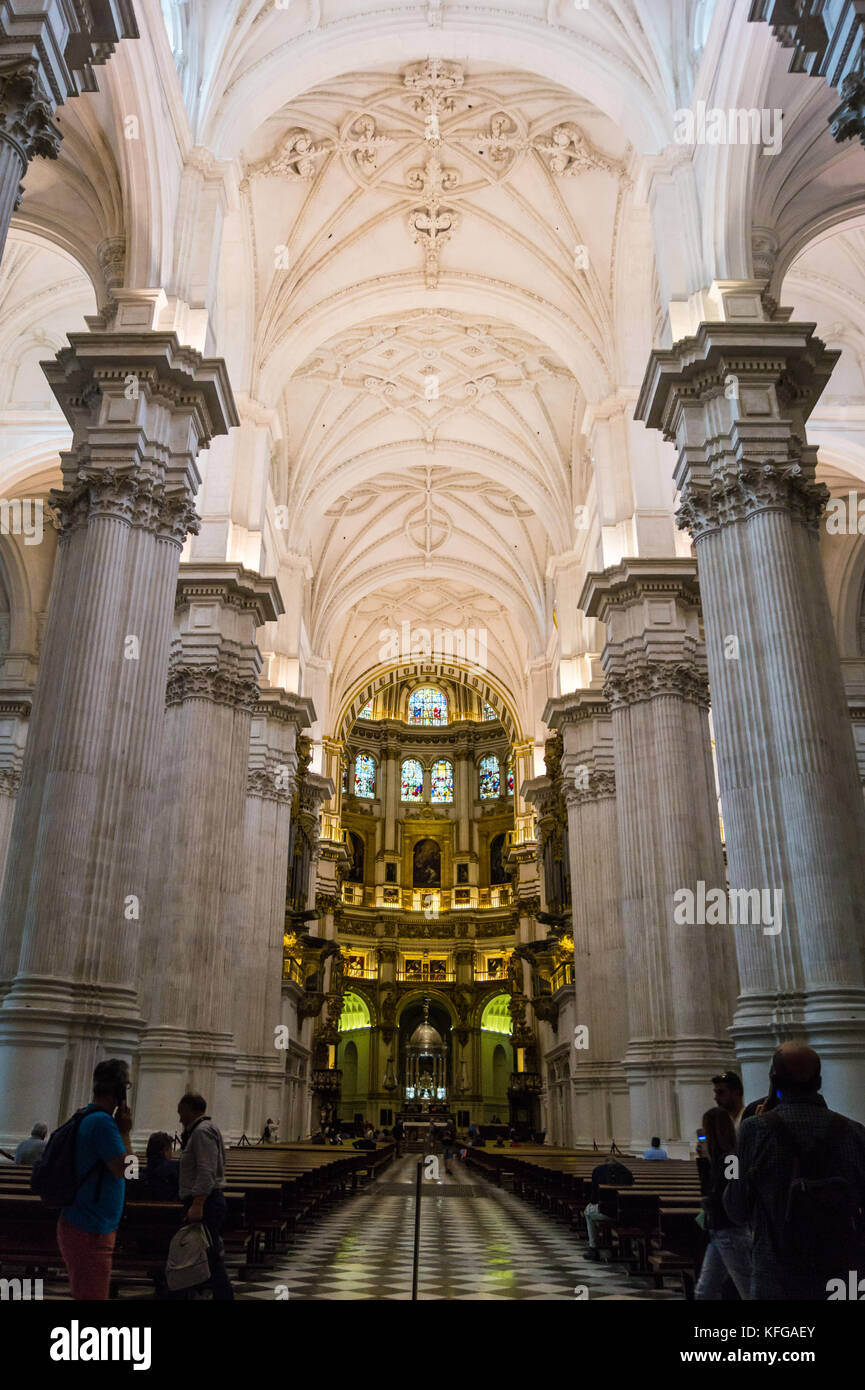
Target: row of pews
x=270, y=1192
x=652, y=1227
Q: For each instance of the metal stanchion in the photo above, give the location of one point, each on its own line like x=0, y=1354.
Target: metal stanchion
x=414, y=1272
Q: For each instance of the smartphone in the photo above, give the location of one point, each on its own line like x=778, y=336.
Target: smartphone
x=702, y=1137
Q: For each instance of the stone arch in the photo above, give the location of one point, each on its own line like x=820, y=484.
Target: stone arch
x=486, y=685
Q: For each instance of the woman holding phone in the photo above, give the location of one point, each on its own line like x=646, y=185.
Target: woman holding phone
x=729, y=1248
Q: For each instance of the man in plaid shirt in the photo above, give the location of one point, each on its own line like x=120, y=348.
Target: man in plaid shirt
x=767, y=1166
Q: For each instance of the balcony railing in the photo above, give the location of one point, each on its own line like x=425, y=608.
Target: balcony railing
x=432, y=901
x=358, y=972
x=426, y=976
x=564, y=975
x=291, y=969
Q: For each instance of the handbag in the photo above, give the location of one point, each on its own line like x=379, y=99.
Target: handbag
x=188, y=1265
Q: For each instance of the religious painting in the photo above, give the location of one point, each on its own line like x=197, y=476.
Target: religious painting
x=355, y=848
x=355, y=965
x=496, y=967
x=390, y=873
x=462, y=873
x=414, y=969
x=427, y=864
x=390, y=895
x=462, y=895
x=438, y=969
x=498, y=873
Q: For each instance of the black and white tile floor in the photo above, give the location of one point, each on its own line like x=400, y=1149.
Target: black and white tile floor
x=477, y=1243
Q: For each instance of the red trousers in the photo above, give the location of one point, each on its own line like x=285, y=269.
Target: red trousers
x=87, y=1257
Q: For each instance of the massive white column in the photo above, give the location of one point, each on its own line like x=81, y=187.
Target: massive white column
x=199, y=859
x=257, y=945
x=75, y=893
x=681, y=978
x=598, y=1082
x=47, y=54
x=735, y=398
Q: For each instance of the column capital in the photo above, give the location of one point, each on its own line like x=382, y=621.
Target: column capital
x=595, y=784
x=734, y=399
x=26, y=113
x=140, y=406
x=65, y=42
x=651, y=610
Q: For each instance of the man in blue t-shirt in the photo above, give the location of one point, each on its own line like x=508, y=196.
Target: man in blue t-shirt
x=87, y=1229
x=655, y=1150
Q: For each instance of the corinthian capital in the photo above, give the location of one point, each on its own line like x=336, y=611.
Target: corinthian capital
x=633, y=682
x=734, y=494
x=218, y=684
x=26, y=113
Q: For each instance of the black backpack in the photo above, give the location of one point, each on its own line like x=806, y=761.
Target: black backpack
x=53, y=1176
x=820, y=1232
x=618, y=1175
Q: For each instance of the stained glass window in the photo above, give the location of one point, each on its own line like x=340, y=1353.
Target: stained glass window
x=364, y=775
x=510, y=777
x=442, y=781
x=490, y=777
x=489, y=712
x=366, y=712
x=345, y=777
x=427, y=705
x=412, y=780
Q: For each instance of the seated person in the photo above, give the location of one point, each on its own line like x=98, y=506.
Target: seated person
x=655, y=1150
x=30, y=1150
x=162, y=1172
x=610, y=1173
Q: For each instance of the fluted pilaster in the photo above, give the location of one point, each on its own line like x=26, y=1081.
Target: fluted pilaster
x=200, y=867
x=680, y=976
x=599, y=1091
x=258, y=942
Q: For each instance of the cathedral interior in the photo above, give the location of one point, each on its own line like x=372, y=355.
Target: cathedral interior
x=432, y=574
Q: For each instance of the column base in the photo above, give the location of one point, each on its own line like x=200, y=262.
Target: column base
x=257, y=1093
x=670, y=1085
x=52, y=1034
x=832, y=1021
x=600, y=1105
x=172, y=1061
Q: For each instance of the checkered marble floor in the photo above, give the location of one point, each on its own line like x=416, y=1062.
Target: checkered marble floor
x=477, y=1243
